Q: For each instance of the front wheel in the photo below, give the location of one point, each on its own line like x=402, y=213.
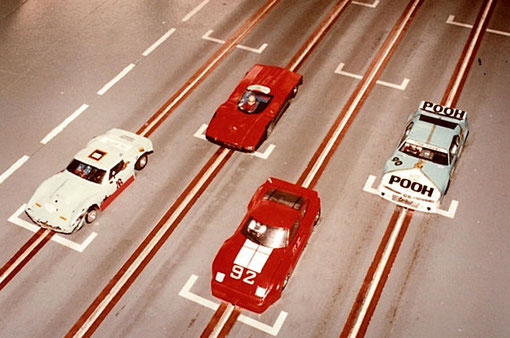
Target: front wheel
x=91, y=215
x=285, y=281
x=142, y=162
x=317, y=218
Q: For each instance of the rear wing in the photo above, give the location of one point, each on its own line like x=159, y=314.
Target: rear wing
x=455, y=114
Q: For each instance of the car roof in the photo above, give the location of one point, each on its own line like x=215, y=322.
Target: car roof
x=434, y=131
x=105, y=151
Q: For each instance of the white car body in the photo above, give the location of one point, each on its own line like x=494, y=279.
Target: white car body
x=95, y=176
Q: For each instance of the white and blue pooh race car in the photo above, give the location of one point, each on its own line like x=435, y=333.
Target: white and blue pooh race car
x=418, y=174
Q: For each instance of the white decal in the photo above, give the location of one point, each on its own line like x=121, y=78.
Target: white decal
x=253, y=256
x=443, y=110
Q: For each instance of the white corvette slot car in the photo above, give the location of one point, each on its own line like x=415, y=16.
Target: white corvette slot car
x=418, y=174
x=95, y=176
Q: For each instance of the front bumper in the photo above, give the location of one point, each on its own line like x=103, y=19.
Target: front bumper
x=408, y=201
x=251, y=303
x=45, y=224
x=231, y=145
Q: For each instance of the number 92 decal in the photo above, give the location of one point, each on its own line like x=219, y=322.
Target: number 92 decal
x=239, y=271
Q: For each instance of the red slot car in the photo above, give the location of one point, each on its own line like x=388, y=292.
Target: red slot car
x=249, y=115
x=254, y=265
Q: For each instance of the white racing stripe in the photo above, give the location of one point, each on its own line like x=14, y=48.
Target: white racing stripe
x=253, y=256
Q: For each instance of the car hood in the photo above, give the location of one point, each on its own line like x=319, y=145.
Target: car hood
x=242, y=252
x=424, y=176
x=63, y=193
x=236, y=128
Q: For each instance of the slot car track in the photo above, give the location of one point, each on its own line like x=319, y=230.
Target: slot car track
x=110, y=301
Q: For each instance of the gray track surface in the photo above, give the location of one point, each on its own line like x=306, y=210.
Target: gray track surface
x=450, y=278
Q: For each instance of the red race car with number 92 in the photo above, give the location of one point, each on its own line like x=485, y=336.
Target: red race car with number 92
x=249, y=115
x=252, y=267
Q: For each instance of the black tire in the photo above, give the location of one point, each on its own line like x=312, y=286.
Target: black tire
x=141, y=162
x=294, y=92
x=317, y=218
x=270, y=128
x=80, y=221
x=91, y=215
x=447, y=187
x=285, y=282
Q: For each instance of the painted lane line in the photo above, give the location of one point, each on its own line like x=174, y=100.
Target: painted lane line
x=160, y=116
x=98, y=310
x=56, y=238
x=207, y=36
x=321, y=157
x=5, y=175
x=23, y=255
x=195, y=10
x=200, y=133
x=222, y=321
x=272, y=330
x=459, y=76
x=372, y=5
x=64, y=124
x=159, y=42
x=116, y=79
x=339, y=70
x=375, y=282
x=450, y=213
x=451, y=21
x=318, y=34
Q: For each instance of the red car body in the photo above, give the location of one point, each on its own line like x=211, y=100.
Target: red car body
x=237, y=125
x=253, y=266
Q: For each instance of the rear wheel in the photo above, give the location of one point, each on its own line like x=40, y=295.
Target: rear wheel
x=142, y=162
x=317, y=218
x=285, y=281
x=294, y=91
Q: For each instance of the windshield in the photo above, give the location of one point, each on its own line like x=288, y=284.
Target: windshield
x=285, y=198
x=415, y=150
x=271, y=237
x=253, y=102
x=86, y=171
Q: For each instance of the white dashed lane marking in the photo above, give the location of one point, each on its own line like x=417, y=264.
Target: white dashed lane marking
x=272, y=330
x=195, y=10
x=207, y=36
x=56, y=238
x=13, y=168
x=64, y=124
x=158, y=42
x=402, y=86
x=116, y=79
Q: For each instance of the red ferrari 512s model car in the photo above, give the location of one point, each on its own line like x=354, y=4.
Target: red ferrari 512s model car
x=254, y=265
x=249, y=115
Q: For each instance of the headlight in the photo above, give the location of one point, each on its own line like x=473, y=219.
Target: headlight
x=260, y=292
x=220, y=276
